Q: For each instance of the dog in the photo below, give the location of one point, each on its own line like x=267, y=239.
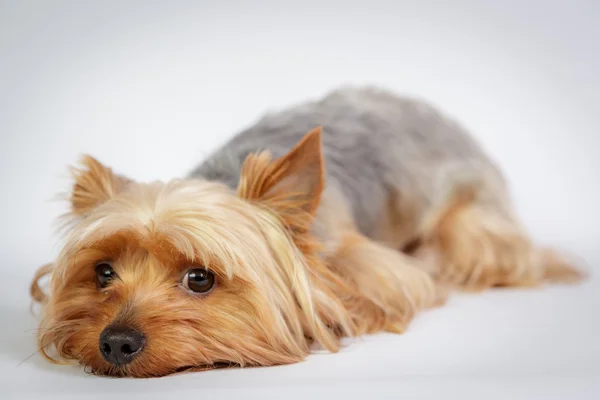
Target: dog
x=284, y=241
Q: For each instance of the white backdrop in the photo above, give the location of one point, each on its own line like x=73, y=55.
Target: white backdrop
x=151, y=87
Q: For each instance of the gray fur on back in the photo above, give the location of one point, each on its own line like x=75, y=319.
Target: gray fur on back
x=377, y=147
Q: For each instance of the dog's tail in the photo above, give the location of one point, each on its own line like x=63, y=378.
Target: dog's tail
x=37, y=294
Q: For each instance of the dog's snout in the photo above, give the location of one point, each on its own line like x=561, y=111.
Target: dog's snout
x=119, y=345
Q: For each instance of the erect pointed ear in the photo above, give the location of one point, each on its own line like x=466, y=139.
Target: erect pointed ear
x=294, y=181
x=94, y=184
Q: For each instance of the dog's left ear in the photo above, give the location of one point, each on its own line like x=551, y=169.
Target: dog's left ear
x=294, y=181
x=94, y=185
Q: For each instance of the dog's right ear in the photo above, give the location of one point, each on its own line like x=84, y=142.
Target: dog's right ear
x=94, y=184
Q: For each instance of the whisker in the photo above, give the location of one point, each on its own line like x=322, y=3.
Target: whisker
x=29, y=357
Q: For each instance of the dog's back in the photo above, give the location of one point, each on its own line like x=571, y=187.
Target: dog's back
x=377, y=147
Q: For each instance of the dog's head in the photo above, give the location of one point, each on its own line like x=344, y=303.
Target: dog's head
x=155, y=278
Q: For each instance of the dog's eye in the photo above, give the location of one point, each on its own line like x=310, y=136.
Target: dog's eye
x=104, y=274
x=199, y=280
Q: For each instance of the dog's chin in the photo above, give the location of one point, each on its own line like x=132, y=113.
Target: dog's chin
x=123, y=372
x=202, y=368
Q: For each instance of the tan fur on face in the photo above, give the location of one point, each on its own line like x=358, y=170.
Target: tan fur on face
x=153, y=234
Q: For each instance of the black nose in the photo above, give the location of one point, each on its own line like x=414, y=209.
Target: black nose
x=119, y=345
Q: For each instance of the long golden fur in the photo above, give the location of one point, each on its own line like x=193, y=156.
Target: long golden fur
x=279, y=291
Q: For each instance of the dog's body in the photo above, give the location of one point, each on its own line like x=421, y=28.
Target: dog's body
x=388, y=160
x=251, y=259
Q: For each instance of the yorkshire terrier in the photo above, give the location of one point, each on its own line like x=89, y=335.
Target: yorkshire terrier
x=283, y=241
